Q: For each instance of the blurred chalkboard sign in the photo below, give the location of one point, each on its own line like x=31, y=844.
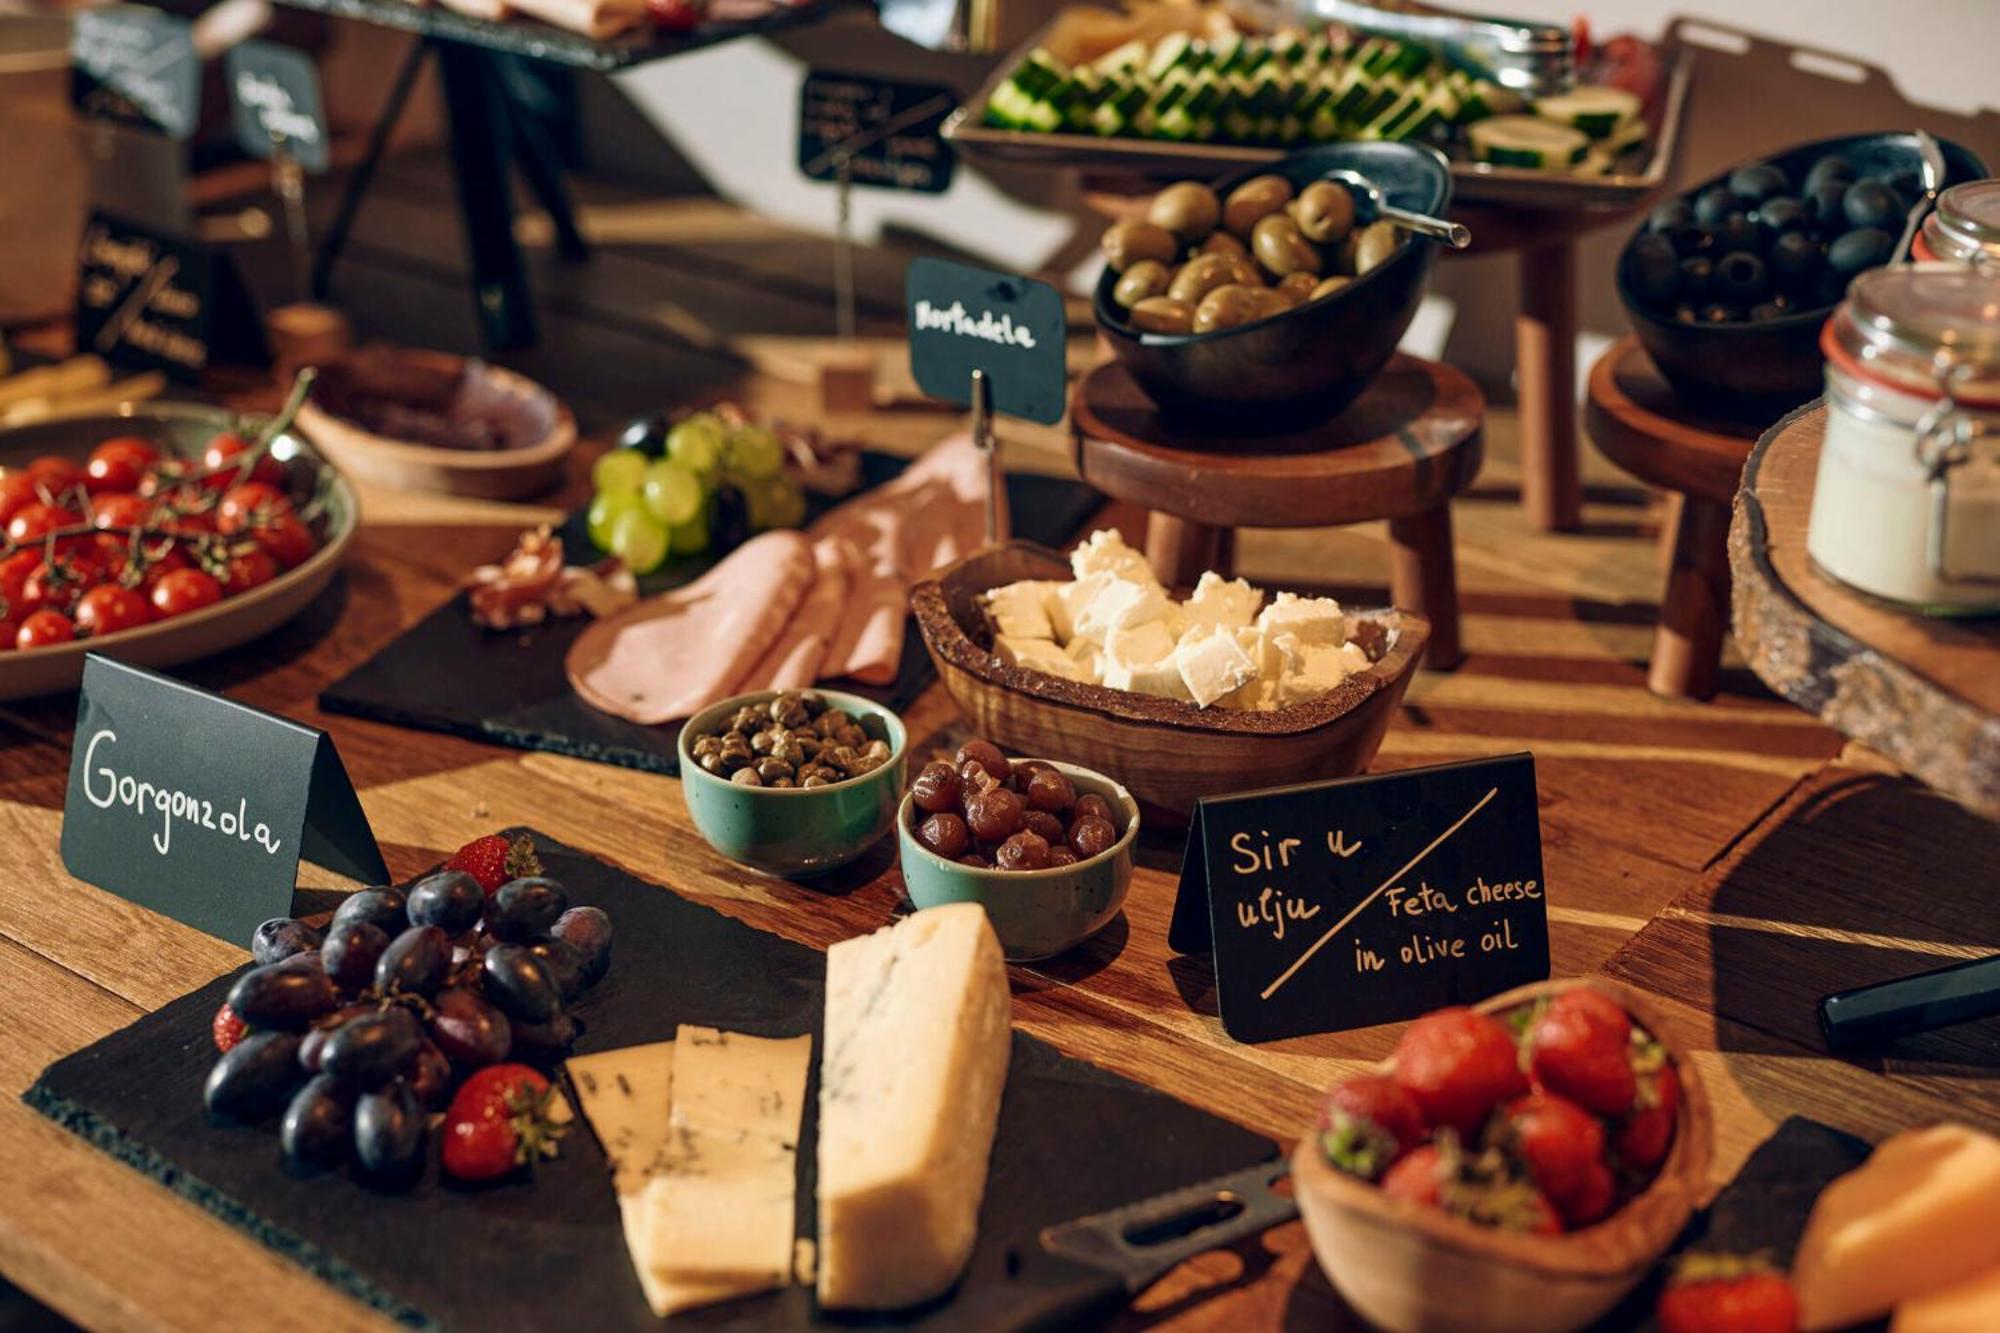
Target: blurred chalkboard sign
x=136, y=67
x=159, y=302
x=888, y=130
x=275, y=102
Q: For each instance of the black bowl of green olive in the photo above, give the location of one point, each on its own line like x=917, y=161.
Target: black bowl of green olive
x=1262, y=300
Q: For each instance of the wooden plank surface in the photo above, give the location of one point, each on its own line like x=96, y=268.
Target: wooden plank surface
x=1667, y=826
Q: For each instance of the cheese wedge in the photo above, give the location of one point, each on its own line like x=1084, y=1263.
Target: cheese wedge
x=1921, y=1215
x=1969, y=1307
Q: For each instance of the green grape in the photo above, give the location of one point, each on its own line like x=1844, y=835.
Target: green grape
x=673, y=494
x=696, y=444
x=753, y=453
x=602, y=516
x=691, y=537
x=619, y=472
x=776, y=502
x=639, y=540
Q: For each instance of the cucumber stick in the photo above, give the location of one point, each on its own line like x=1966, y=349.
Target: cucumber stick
x=1596, y=110
x=1527, y=141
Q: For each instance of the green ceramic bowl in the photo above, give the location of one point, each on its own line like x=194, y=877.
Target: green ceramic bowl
x=1036, y=913
x=790, y=830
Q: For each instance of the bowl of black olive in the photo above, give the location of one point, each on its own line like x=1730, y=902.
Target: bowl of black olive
x=1727, y=285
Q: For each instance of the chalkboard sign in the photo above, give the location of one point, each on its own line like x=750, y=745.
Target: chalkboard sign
x=964, y=319
x=136, y=67
x=161, y=303
x=200, y=807
x=274, y=101
x=889, y=130
x=1366, y=900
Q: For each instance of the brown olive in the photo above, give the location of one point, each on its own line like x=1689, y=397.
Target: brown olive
x=973, y=778
x=994, y=815
x=1091, y=836
x=1373, y=244
x=1061, y=856
x=945, y=833
x=976, y=861
x=1223, y=243
x=1297, y=288
x=1148, y=277
x=1227, y=307
x=1189, y=210
x=1256, y=198
x=1202, y=275
x=1328, y=286
x=1023, y=851
x=987, y=755
x=1270, y=301
x=1162, y=314
x=1044, y=823
x=936, y=788
x=1280, y=248
x=1126, y=243
x=1091, y=804
x=1050, y=789
x=1324, y=212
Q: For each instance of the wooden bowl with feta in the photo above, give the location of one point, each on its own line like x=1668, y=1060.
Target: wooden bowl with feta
x=1089, y=660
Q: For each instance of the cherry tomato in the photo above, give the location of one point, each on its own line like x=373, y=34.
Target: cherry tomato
x=119, y=465
x=161, y=560
x=225, y=449
x=17, y=490
x=120, y=509
x=108, y=608
x=10, y=628
x=56, y=474
x=38, y=520
x=136, y=447
x=187, y=511
x=59, y=585
x=248, y=569
x=287, y=539
x=183, y=590
x=242, y=505
x=43, y=628
x=14, y=571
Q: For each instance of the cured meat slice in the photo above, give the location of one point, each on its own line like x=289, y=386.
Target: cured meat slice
x=793, y=662
x=672, y=655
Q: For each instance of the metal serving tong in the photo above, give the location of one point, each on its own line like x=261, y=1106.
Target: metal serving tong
x=1534, y=59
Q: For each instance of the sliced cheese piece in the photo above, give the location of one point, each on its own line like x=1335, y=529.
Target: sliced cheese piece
x=1920, y=1215
x=913, y=1064
x=1969, y=1307
x=671, y=1297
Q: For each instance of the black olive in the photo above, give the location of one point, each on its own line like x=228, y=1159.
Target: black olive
x=1714, y=204
x=1830, y=169
x=1825, y=205
x=1864, y=249
x=1795, y=263
x=1653, y=270
x=1758, y=181
x=1781, y=214
x=1738, y=234
x=1671, y=216
x=1740, y=278
x=1695, y=275
x=1870, y=203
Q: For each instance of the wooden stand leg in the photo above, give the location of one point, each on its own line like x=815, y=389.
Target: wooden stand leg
x=1545, y=366
x=1687, y=646
x=1180, y=550
x=1423, y=577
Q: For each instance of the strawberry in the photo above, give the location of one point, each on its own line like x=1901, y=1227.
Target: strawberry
x=1554, y=1139
x=1421, y=1177
x=1648, y=1132
x=1581, y=1047
x=1722, y=1293
x=499, y=1120
x=1459, y=1064
x=227, y=1029
x=492, y=860
x=1367, y=1122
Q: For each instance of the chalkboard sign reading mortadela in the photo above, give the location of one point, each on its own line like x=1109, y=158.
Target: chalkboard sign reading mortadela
x=888, y=131
x=1366, y=900
x=200, y=807
x=964, y=319
x=136, y=67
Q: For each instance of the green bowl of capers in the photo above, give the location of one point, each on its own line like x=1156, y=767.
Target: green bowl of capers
x=793, y=782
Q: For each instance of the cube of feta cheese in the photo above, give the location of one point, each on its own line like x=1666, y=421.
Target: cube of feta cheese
x=1105, y=552
x=1124, y=604
x=1320, y=668
x=1089, y=659
x=1141, y=658
x=1213, y=666
x=1220, y=603
x=1020, y=610
x=1038, y=655
x=1311, y=620
x=1072, y=599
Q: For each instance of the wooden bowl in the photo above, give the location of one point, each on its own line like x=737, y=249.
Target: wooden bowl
x=1404, y=1267
x=1167, y=752
x=484, y=474
x=181, y=428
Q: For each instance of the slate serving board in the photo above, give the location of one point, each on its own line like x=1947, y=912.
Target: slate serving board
x=1073, y=1140
x=447, y=674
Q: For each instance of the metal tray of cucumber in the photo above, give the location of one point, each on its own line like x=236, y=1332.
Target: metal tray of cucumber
x=1499, y=96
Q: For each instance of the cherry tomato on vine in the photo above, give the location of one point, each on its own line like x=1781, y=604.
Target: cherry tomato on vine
x=288, y=539
x=38, y=520
x=108, y=608
x=248, y=569
x=120, y=510
x=180, y=591
x=58, y=585
x=158, y=562
x=14, y=571
x=243, y=505
x=10, y=629
x=225, y=449
x=43, y=628
x=118, y=465
x=17, y=491
x=186, y=511
x=56, y=474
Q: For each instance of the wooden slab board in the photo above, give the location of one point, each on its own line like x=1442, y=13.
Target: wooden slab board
x=447, y=674
x=1073, y=1140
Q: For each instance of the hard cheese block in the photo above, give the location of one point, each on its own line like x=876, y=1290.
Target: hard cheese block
x=1921, y=1215
x=914, y=1064
x=1969, y=1307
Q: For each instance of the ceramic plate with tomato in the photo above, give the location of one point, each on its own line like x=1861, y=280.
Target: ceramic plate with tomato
x=157, y=535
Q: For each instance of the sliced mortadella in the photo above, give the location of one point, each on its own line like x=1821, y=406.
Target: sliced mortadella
x=670, y=656
x=793, y=662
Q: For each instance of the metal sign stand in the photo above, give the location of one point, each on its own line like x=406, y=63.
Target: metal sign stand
x=983, y=439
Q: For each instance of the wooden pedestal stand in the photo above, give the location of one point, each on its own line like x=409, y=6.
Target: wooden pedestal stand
x=1633, y=416
x=1401, y=452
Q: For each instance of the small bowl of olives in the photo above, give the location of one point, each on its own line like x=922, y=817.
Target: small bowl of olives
x=1727, y=285
x=1045, y=847
x=792, y=782
x=1267, y=300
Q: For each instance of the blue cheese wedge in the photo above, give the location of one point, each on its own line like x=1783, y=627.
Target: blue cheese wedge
x=914, y=1059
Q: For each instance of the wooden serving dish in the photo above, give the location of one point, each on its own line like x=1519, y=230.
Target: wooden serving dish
x=1404, y=1267
x=1167, y=752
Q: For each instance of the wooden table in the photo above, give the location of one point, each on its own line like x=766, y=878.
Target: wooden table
x=1634, y=417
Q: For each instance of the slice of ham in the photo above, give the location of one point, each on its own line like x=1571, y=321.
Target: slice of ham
x=673, y=655
x=793, y=662
x=595, y=19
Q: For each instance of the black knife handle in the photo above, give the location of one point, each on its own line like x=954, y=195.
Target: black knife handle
x=1876, y=1015
x=1141, y=1241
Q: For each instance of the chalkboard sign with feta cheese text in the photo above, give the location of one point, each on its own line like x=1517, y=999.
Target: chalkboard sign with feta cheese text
x=160, y=302
x=1344, y=904
x=136, y=67
x=888, y=131
x=274, y=101
x=964, y=319
x=201, y=808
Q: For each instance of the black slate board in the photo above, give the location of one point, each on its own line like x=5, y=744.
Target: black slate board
x=447, y=674
x=1073, y=1140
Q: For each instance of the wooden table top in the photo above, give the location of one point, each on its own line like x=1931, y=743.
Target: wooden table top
x=1633, y=415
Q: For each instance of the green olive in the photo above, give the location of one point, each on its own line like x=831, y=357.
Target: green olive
x=1373, y=244
x=1162, y=314
x=1202, y=275
x=1148, y=277
x=1243, y=271
x=1226, y=307
x=1280, y=248
x=1223, y=243
x=1256, y=198
x=1324, y=212
x=1328, y=286
x=1189, y=210
x=1126, y=243
x=1297, y=288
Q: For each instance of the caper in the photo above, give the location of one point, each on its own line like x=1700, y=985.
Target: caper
x=1227, y=307
x=1148, y=277
x=1324, y=212
x=1328, y=286
x=1280, y=248
x=746, y=777
x=1202, y=275
x=1256, y=198
x=1189, y=210
x=772, y=769
x=1163, y=314
x=1373, y=245
x=1126, y=243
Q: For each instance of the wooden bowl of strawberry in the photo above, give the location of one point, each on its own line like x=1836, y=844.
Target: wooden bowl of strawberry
x=1517, y=1167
